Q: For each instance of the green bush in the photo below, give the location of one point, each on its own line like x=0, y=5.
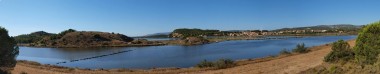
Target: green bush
x=220, y=64
x=368, y=44
x=8, y=50
x=341, y=51
x=205, y=64
x=300, y=48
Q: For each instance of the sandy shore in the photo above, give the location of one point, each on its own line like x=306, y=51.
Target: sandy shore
x=278, y=65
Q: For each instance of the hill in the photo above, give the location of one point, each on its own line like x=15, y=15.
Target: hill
x=32, y=37
x=73, y=38
x=185, y=32
x=343, y=27
x=85, y=39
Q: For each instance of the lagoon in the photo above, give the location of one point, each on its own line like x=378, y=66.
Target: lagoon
x=167, y=56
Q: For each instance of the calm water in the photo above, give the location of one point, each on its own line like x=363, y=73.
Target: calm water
x=168, y=56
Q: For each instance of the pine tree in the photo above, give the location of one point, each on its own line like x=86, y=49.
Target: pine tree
x=8, y=50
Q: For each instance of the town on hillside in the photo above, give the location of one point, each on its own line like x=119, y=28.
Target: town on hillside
x=313, y=30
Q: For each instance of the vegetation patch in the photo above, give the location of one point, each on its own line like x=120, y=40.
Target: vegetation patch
x=300, y=48
x=341, y=51
x=364, y=58
x=32, y=37
x=184, y=33
x=368, y=44
x=8, y=51
x=220, y=64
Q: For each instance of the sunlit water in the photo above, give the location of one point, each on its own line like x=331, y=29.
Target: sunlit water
x=167, y=56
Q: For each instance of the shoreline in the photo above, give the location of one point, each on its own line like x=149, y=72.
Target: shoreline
x=240, y=62
x=175, y=42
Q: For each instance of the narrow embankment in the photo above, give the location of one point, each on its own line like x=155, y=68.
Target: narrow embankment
x=288, y=65
x=94, y=57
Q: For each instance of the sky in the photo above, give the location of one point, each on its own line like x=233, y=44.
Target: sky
x=141, y=17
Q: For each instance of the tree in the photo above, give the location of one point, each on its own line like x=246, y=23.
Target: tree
x=368, y=44
x=341, y=51
x=8, y=50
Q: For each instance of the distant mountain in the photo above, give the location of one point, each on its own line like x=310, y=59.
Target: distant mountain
x=40, y=33
x=163, y=33
x=345, y=27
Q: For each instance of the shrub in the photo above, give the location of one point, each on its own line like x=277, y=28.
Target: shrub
x=205, y=64
x=224, y=63
x=8, y=50
x=220, y=64
x=368, y=44
x=341, y=51
x=300, y=48
x=284, y=52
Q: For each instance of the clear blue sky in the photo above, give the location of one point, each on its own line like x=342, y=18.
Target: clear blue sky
x=141, y=17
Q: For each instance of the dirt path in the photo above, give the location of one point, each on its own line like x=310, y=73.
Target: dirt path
x=19, y=69
x=287, y=65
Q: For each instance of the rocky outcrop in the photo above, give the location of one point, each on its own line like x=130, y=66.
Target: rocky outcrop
x=146, y=42
x=193, y=41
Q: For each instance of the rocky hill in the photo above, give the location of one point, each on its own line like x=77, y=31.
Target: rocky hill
x=84, y=39
x=73, y=38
